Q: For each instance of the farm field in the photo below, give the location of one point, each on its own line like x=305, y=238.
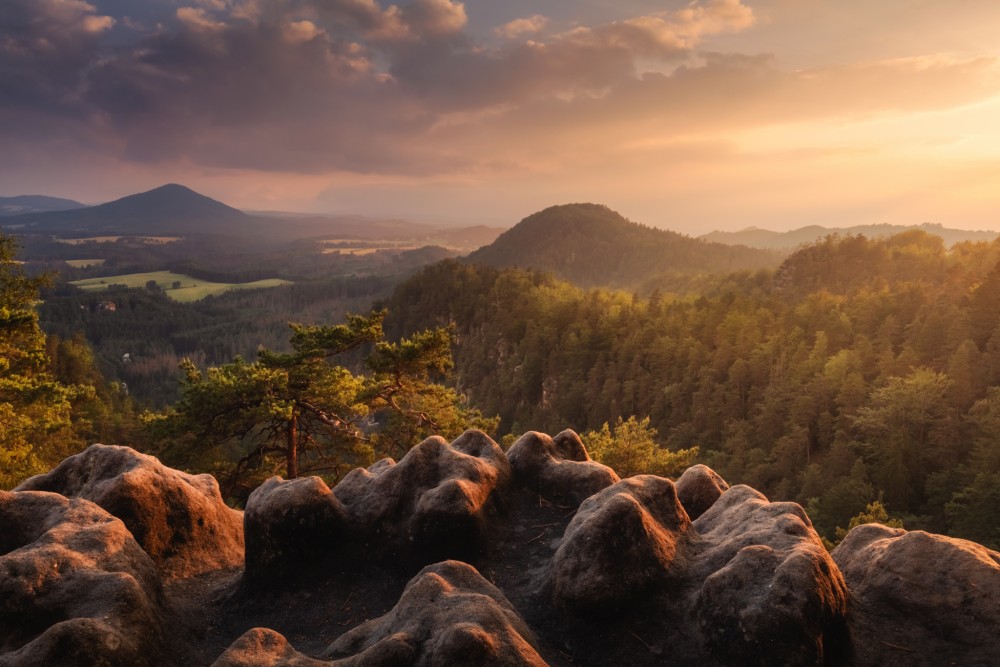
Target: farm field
x=189, y=288
x=115, y=239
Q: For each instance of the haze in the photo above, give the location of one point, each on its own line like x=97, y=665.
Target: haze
x=713, y=114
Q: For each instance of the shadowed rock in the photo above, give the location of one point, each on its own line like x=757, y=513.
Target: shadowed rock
x=625, y=541
x=292, y=526
x=920, y=599
x=448, y=615
x=771, y=593
x=75, y=587
x=698, y=489
x=437, y=498
x=179, y=519
x=558, y=468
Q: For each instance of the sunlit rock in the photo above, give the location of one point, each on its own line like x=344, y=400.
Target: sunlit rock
x=698, y=489
x=75, y=587
x=180, y=520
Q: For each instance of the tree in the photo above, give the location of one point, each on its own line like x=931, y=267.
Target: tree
x=303, y=410
x=34, y=408
x=631, y=449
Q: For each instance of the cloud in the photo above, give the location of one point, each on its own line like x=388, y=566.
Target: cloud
x=312, y=86
x=531, y=25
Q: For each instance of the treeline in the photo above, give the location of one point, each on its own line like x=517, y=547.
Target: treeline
x=860, y=369
x=156, y=333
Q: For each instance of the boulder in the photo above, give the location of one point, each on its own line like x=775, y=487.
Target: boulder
x=292, y=527
x=75, y=587
x=771, y=594
x=920, y=599
x=698, y=489
x=261, y=647
x=625, y=541
x=437, y=500
x=448, y=615
x=180, y=520
x=559, y=468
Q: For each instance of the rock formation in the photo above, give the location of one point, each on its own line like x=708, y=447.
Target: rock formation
x=180, y=520
x=75, y=587
x=567, y=565
x=919, y=598
x=558, y=468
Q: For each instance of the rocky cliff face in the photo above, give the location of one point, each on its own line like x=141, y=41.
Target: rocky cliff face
x=461, y=554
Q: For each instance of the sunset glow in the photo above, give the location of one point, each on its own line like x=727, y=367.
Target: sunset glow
x=693, y=116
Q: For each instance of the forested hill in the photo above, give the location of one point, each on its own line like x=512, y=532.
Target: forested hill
x=764, y=238
x=169, y=209
x=591, y=245
x=861, y=367
x=35, y=204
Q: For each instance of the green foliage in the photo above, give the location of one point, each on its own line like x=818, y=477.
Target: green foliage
x=304, y=412
x=874, y=512
x=35, y=426
x=630, y=448
x=860, y=366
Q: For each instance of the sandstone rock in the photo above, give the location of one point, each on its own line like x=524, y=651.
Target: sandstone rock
x=437, y=499
x=771, y=593
x=625, y=541
x=292, y=526
x=558, y=468
x=179, y=519
x=261, y=647
x=75, y=587
x=920, y=599
x=698, y=489
x=448, y=615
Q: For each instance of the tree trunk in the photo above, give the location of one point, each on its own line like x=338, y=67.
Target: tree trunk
x=292, y=449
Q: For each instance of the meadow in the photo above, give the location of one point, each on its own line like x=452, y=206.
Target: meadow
x=177, y=286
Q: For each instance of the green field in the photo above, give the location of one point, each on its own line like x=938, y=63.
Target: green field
x=84, y=263
x=190, y=289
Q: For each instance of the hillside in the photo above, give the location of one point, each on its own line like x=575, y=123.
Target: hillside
x=35, y=204
x=463, y=554
x=169, y=209
x=756, y=237
x=591, y=245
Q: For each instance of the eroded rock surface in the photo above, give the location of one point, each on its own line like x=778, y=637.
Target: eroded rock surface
x=558, y=468
x=698, y=489
x=626, y=541
x=771, y=593
x=448, y=615
x=75, y=587
x=438, y=498
x=180, y=520
x=920, y=599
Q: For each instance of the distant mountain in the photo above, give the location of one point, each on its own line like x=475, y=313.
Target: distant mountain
x=169, y=209
x=591, y=245
x=35, y=204
x=763, y=238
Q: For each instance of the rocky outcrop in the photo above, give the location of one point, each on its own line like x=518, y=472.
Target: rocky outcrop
x=698, y=489
x=292, y=526
x=448, y=615
x=438, y=498
x=75, y=587
x=771, y=594
x=180, y=520
x=920, y=599
x=559, y=468
x=625, y=541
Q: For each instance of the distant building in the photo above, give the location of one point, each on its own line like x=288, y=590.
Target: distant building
x=109, y=306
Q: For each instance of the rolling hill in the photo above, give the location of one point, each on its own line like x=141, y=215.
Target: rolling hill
x=169, y=209
x=35, y=204
x=756, y=237
x=591, y=245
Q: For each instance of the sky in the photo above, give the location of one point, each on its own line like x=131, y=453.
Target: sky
x=691, y=116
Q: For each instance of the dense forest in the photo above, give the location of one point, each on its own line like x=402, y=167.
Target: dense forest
x=858, y=376
x=860, y=370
